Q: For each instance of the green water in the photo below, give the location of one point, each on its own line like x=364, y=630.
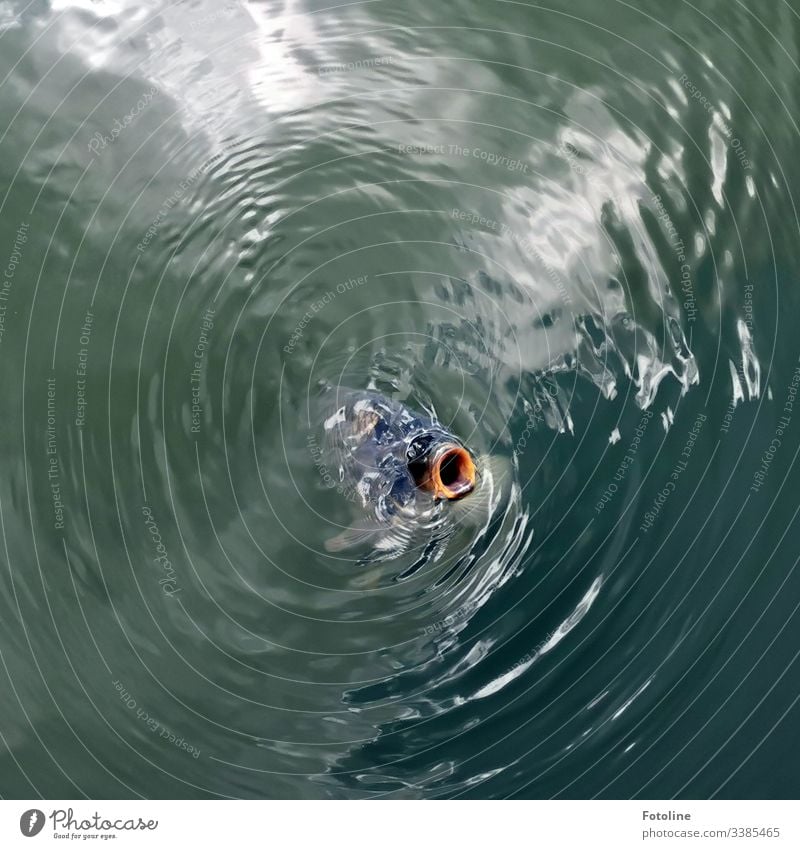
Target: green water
x=570, y=230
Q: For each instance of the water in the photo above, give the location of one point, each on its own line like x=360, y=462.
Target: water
x=569, y=231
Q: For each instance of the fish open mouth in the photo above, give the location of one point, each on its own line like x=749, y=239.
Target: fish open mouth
x=452, y=473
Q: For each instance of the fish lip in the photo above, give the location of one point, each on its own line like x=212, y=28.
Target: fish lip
x=459, y=481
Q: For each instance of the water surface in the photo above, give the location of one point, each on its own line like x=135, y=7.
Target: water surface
x=568, y=230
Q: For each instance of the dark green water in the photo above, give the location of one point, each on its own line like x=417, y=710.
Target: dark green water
x=571, y=229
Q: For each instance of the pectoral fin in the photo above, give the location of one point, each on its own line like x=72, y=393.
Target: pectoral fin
x=386, y=541
x=359, y=533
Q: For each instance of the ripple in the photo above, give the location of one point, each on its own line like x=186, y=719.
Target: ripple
x=571, y=242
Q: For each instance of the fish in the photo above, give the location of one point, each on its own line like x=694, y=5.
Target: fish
x=408, y=473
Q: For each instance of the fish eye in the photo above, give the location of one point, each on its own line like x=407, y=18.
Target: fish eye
x=418, y=448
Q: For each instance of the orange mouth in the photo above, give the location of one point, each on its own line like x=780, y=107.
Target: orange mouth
x=452, y=473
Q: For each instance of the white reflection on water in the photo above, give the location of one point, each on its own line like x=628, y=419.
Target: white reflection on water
x=581, y=609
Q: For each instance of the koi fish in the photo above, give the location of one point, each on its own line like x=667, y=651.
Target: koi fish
x=407, y=471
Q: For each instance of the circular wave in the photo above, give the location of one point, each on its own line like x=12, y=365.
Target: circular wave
x=569, y=242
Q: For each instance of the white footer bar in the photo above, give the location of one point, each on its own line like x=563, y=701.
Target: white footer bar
x=401, y=824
